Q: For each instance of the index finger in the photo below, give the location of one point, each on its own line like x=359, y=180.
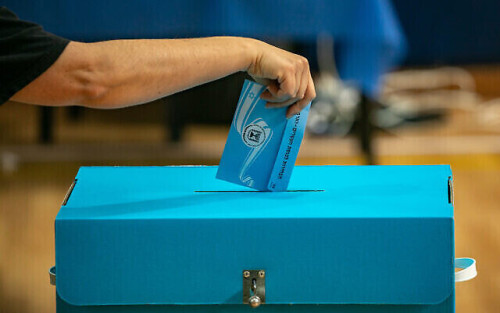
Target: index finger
x=301, y=104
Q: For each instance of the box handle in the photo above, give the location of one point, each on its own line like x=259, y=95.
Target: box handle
x=468, y=269
x=52, y=275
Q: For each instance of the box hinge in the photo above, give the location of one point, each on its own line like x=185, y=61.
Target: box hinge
x=68, y=193
x=450, y=190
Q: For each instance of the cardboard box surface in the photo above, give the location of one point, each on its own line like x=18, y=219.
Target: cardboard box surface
x=350, y=238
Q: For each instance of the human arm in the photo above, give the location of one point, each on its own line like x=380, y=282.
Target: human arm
x=120, y=73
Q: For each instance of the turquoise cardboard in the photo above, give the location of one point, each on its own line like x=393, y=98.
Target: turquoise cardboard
x=262, y=145
x=175, y=239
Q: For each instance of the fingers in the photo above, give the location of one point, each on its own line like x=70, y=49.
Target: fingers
x=287, y=77
x=275, y=105
x=309, y=95
x=299, y=81
x=280, y=95
x=304, y=83
x=296, y=108
x=281, y=91
x=293, y=88
x=263, y=81
x=271, y=93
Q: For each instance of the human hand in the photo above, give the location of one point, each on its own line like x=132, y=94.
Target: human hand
x=286, y=75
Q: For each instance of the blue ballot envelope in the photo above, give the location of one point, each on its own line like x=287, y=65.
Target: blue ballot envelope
x=262, y=144
x=176, y=239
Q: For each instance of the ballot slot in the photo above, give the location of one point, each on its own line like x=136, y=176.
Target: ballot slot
x=236, y=191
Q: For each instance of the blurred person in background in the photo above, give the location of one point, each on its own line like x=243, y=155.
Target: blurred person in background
x=37, y=67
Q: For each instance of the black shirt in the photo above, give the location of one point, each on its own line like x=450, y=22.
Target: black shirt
x=26, y=51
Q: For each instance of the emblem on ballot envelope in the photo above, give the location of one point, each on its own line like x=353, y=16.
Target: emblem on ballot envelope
x=255, y=134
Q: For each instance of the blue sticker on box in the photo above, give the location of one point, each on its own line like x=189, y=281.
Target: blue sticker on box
x=262, y=144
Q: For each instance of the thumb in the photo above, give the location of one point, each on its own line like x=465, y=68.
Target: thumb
x=263, y=81
x=272, y=87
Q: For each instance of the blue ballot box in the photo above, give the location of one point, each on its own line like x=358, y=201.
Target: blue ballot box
x=175, y=239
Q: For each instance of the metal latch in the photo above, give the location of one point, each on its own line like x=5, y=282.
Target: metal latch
x=254, y=287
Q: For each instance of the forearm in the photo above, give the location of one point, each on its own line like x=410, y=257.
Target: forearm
x=119, y=73
x=128, y=72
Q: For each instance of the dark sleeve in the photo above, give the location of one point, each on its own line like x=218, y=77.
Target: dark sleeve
x=26, y=51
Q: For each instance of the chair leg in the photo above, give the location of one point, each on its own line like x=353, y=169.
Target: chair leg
x=366, y=130
x=75, y=113
x=175, y=121
x=46, y=129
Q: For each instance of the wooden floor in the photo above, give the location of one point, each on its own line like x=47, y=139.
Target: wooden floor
x=34, y=181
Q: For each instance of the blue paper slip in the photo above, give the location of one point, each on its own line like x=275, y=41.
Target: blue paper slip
x=262, y=144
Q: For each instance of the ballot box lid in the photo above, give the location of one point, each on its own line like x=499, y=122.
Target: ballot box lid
x=177, y=235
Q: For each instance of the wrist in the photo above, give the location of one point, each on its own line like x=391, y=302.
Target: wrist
x=252, y=53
